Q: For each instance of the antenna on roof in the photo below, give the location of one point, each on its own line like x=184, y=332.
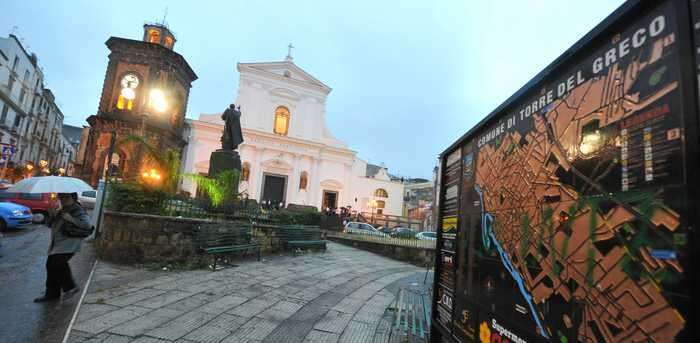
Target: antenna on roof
x=165, y=15
x=14, y=29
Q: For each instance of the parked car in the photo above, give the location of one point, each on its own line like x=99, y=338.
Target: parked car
x=427, y=235
x=385, y=230
x=38, y=203
x=13, y=215
x=403, y=232
x=87, y=199
x=362, y=228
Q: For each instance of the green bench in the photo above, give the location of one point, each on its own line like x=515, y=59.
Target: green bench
x=301, y=237
x=225, y=238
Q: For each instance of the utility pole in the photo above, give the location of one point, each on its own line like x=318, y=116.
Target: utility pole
x=106, y=175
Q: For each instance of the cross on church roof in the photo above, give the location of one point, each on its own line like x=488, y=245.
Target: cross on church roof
x=289, y=52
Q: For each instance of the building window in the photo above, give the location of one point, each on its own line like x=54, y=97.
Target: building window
x=381, y=204
x=14, y=63
x=303, y=180
x=381, y=193
x=154, y=36
x=3, y=117
x=168, y=41
x=245, y=171
x=22, y=95
x=26, y=76
x=281, y=121
x=18, y=120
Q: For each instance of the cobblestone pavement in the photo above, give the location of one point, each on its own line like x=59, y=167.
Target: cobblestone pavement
x=336, y=296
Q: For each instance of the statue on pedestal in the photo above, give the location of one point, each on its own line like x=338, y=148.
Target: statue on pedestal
x=227, y=157
x=232, y=136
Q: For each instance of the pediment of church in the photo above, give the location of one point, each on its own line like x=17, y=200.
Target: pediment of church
x=283, y=69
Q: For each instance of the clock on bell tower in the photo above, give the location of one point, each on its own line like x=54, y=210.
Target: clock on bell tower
x=144, y=93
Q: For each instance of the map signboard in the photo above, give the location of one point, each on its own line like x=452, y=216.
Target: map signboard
x=573, y=219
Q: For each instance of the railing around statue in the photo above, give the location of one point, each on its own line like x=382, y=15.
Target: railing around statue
x=193, y=208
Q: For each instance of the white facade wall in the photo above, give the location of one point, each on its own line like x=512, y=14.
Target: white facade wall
x=308, y=146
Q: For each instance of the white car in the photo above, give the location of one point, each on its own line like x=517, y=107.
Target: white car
x=427, y=235
x=87, y=199
x=362, y=228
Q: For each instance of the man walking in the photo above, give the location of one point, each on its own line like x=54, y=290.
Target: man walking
x=64, y=245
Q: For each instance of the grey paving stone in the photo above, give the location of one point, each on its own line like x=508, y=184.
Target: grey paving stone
x=333, y=321
x=349, y=305
x=111, y=319
x=108, y=338
x=144, y=339
x=222, y=304
x=316, y=336
x=164, y=299
x=193, y=302
x=280, y=311
x=132, y=298
x=357, y=332
x=219, y=328
x=138, y=326
x=252, y=307
x=181, y=326
x=89, y=311
x=255, y=330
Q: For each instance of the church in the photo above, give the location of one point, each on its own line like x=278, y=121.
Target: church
x=289, y=156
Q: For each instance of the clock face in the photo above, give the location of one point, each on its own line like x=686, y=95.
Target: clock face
x=130, y=81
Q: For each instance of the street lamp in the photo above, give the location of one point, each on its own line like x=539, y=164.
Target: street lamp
x=151, y=176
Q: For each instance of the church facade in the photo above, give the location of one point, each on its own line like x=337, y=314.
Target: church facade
x=289, y=155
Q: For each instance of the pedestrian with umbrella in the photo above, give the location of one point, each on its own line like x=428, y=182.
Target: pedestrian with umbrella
x=69, y=225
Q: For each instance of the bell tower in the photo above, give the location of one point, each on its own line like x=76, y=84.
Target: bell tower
x=144, y=93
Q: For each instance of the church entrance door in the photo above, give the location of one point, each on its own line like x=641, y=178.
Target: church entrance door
x=330, y=199
x=274, y=189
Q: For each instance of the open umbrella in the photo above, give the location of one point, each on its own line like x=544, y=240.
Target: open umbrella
x=50, y=184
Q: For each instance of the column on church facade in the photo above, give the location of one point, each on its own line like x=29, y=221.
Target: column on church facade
x=348, y=191
x=314, y=184
x=254, y=178
x=293, y=193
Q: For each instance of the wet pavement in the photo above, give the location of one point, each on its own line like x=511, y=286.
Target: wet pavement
x=342, y=295
x=22, y=278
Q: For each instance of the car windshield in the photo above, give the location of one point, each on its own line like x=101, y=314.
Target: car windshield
x=89, y=194
x=7, y=195
x=30, y=196
x=429, y=234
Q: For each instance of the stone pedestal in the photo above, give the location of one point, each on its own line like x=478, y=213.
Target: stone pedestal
x=223, y=160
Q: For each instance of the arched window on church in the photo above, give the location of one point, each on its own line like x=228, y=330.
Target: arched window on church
x=245, y=171
x=381, y=193
x=154, y=36
x=380, y=206
x=281, y=121
x=303, y=180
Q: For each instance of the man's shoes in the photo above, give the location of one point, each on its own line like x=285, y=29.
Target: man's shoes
x=45, y=299
x=71, y=292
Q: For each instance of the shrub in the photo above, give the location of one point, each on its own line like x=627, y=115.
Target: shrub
x=135, y=198
x=308, y=217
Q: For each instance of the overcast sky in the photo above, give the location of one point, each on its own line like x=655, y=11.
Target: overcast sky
x=408, y=77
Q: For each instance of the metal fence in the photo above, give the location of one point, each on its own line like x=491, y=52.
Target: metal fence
x=412, y=243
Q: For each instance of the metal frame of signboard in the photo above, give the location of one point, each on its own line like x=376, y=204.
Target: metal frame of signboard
x=689, y=59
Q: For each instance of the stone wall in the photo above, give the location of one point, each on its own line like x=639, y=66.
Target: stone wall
x=414, y=255
x=143, y=238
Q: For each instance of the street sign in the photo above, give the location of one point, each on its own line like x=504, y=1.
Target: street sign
x=8, y=149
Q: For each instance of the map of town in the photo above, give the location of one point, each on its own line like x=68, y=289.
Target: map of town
x=581, y=243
